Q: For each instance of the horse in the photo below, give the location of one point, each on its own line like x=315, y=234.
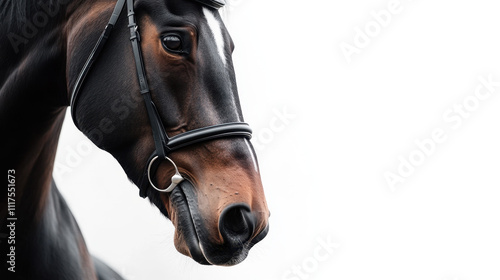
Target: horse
x=152, y=82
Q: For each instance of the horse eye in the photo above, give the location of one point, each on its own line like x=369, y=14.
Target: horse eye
x=172, y=43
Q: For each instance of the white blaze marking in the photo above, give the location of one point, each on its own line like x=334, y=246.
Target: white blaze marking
x=216, y=32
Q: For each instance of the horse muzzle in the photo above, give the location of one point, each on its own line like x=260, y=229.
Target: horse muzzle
x=211, y=236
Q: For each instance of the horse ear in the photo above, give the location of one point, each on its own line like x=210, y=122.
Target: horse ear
x=216, y=4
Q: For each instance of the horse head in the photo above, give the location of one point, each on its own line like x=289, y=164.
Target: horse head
x=217, y=205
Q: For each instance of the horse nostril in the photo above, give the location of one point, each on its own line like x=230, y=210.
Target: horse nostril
x=237, y=223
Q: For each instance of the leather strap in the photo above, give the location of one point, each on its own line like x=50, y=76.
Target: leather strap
x=159, y=136
x=209, y=133
x=93, y=56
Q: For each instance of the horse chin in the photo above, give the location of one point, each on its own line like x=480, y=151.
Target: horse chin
x=192, y=236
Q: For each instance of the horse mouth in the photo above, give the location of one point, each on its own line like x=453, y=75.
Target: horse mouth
x=192, y=230
x=186, y=225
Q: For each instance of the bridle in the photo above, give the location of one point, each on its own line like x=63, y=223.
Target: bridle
x=164, y=144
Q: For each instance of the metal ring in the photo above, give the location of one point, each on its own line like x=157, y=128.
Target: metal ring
x=176, y=179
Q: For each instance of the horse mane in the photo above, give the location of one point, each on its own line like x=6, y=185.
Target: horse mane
x=19, y=11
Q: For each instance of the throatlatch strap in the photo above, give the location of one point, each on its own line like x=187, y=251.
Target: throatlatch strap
x=93, y=56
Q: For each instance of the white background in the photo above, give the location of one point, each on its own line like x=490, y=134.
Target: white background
x=348, y=124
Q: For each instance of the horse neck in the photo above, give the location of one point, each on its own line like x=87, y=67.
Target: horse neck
x=33, y=100
x=34, y=93
x=30, y=152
